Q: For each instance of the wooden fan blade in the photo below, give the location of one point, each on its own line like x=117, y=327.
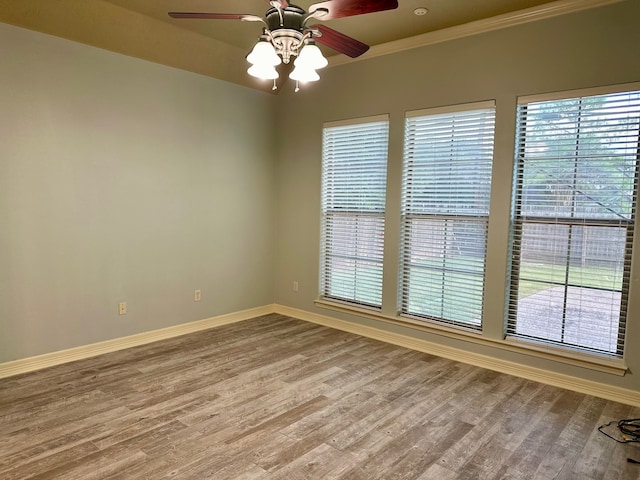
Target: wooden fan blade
x=340, y=42
x=349, y=8
x=217, y=16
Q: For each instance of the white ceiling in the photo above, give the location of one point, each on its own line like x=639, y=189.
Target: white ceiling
x=142, y=28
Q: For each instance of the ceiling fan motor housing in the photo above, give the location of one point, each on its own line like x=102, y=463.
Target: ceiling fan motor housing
x=286, y=27
x=292, y=17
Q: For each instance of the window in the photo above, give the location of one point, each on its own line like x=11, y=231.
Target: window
x=354, y=172
x=448, y=155
x=575, y=191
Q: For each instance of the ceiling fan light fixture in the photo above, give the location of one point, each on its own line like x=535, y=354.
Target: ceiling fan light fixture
x=264, y=72
x=287, y=35
x=311, y=57
x=303, y=73
x=264, y=53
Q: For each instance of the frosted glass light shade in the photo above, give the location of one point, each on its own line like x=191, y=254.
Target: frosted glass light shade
x=265, y=72
x=311, y=57
x=263, y=53
x=304, y=74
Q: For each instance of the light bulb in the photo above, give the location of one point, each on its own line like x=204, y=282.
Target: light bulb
x=311, y=57
x=304, y=74
x=263, y=53
x=265, y=72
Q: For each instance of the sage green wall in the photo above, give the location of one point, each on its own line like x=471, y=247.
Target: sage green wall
x=124, y=180
x=585, y=49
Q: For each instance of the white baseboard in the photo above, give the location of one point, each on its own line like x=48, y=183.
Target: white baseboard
x=30, y=364
x=618, y=394
x=601, y=390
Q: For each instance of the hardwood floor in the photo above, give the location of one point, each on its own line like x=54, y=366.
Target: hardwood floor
x=277, y=398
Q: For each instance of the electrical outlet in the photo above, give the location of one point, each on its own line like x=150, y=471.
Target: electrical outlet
x=197, y=295
x=295, y=286
x=122, y=308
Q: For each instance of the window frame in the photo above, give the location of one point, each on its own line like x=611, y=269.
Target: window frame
x=449, y=220
x=359, y=216
x=520, y=220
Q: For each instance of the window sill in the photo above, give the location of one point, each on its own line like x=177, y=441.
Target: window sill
x=614, y=366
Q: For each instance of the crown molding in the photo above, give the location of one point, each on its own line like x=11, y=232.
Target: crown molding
x=511, y=19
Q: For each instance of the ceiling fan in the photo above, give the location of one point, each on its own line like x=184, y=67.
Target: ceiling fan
x=286, y=34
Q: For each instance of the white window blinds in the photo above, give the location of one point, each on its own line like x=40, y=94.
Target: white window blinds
x=354, y=173
x=574, y=209
x=448, y=156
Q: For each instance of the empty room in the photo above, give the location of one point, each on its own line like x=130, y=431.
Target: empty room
x=340, y=240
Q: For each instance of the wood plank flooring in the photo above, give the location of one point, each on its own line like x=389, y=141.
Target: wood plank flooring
x=277, y=398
